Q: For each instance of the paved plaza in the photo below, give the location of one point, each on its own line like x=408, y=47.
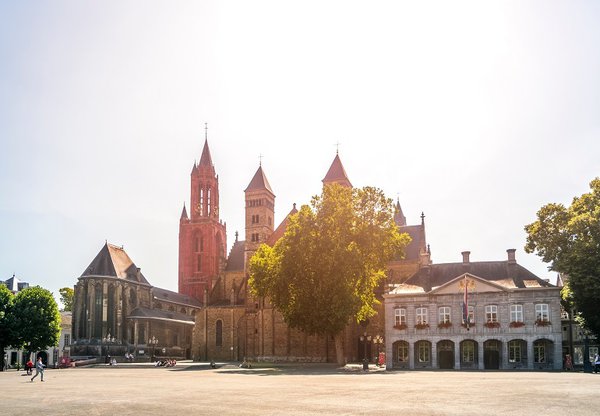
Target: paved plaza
x=197, y=389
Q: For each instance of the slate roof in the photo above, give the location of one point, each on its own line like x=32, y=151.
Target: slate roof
x=159, y=314
x=169, y=296
x=113, y=261
x=510, y=275
x=259, y=182
x=15, y=285
x=417, y=235
x=337, y=173
x=235, y=261
x=280, y=230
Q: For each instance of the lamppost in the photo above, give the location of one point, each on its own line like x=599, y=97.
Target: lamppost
x=587, y=366
x=107, y=341
x=153, y=341
x=365, y=339
x=377, y=340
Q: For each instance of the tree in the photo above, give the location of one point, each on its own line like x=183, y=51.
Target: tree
x=66, y=298
x=6, y=327
x=569, y=239
x=37, y=320
x=322, y=273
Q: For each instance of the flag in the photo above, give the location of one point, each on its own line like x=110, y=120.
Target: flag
x=466, y=305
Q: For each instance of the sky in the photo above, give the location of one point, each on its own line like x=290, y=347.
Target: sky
x=474, y=113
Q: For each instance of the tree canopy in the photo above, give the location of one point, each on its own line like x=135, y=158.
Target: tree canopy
x=36, y=319
x=6, y=321
x=66, y=298
x=569, y=239
x=323, y=271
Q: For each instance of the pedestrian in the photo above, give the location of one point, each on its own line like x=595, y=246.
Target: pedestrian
x=39, y=369
x=29, y=366
x=568, y=363
x=596, y=363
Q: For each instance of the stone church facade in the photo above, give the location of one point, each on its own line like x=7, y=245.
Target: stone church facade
x=233, y=325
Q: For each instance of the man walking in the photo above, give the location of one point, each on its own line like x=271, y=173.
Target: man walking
x=39, y=369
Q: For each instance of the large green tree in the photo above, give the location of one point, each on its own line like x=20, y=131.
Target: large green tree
x=569, y=239
x=37, y=319
x=322, y=273
x=66, y=298
x=6, y=321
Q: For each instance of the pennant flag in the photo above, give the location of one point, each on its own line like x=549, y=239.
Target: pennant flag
x=466, y=305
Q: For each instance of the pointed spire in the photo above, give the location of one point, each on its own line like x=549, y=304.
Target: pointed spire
x=422, y=218
x=399, y=217
x=259, y=181
x=205, y=159
x=337, y=173
x=184, y=215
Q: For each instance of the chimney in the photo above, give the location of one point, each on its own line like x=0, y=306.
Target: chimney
x=465, y=255
x=511, y=256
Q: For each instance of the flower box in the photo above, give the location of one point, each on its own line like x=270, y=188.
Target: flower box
x=445, y=324
x=491, y=324
x=400, y=326
x=421, y=326
x=516, y=324
x=541, y=322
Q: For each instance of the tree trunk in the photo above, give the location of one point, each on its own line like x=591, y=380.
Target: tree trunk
x=339, y=348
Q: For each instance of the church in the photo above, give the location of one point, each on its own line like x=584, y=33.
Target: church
x=212, y=316
x=232, y=324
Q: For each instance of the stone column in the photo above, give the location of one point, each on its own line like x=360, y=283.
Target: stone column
x=457, y=356
x=434, y=360
x=530, y=354
x=411, y=355
x=480, y=362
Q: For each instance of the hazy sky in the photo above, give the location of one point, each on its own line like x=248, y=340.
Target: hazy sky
x=476, y=113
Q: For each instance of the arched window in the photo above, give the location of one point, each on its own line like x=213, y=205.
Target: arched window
x=219, y=334
x=208, y=202
x=201, y=201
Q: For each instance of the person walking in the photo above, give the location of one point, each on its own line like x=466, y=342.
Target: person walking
x=39, y=369
x=596, y=363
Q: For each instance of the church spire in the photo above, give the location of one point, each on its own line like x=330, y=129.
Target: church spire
x=184, y=215
x=337, y=173
x=259, y=182
x=399, y=217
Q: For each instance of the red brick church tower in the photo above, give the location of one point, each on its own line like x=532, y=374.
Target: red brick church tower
x=202, y=235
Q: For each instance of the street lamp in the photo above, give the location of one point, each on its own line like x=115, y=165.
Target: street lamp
x=153, y=341
x=377, y=340
x=107, y=340
x=365, y=339
x=587, y=366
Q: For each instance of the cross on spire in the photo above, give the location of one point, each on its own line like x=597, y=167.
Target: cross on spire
x=205, y=131
x=260, y=156
x=337, y=147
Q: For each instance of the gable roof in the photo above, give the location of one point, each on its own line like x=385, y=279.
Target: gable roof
x=280, y=230
x=259, y=182
x=160, y=315
x=174, y=297
x=235, y=261
x=504, y=273
x=113, y=261
x=417, y=241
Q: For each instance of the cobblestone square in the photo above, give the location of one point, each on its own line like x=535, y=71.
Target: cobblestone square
x=195, y=388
